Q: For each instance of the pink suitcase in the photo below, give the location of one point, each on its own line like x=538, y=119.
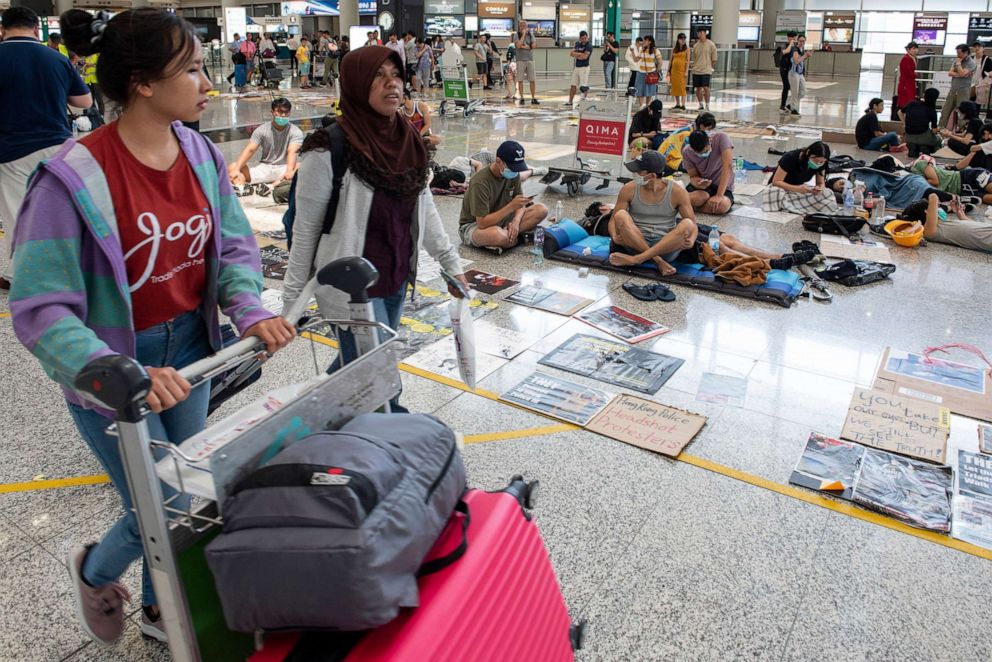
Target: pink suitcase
x=499, y=601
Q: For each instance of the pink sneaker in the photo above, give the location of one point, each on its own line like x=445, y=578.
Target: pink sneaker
x=98, y=608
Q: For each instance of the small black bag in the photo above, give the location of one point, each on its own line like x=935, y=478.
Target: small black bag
x=856, y=272
x=833, y=224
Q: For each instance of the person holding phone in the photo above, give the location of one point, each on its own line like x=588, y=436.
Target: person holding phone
x=798, y=184
x=709, y=161
x=523, y=42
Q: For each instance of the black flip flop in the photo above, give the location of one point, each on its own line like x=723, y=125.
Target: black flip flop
x=641, y=292
x=663, y=292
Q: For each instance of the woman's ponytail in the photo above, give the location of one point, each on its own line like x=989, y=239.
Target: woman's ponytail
x=82, y=31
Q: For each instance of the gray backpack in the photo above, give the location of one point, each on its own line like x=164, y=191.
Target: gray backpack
x=331, y=533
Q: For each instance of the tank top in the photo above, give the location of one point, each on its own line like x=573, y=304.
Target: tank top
x=658, y=218
x=416, y=118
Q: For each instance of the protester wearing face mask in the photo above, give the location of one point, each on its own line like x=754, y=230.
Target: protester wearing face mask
x=653, y=220
x=494, y=210
x=279, y=142
x=798, y=184
x=942, y=228
x=646, y=123
x=709, y=161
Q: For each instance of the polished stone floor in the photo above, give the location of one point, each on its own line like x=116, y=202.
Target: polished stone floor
x=711, y=558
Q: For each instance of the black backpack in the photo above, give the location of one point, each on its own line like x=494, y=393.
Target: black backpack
x=339, y=164
x=856, y=272
x=777, y=56
x=833, y=224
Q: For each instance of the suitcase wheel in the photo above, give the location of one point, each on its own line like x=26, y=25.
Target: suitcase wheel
x=577, y=635
x=530, y=494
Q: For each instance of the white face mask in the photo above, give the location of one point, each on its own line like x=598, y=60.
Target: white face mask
x=640, y=180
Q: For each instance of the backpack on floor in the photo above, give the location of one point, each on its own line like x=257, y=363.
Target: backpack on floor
x=856, y=272
x=332, y=531
x=833, y=224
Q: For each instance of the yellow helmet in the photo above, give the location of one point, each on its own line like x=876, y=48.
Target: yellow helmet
x=905, y=233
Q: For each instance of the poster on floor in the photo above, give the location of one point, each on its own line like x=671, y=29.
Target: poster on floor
x=985, y=438
x=646, y=424
x=424, y=326
x=622, y=324
x=558, y=398
x=898, y=423
x=974, y=474
x=501, y=342
x=964, y=389
x=828, y=465
x=561, y=303
x=613, y=362
x=486, y=283
x=973, y=521
x=917, y=493
x=440, y=358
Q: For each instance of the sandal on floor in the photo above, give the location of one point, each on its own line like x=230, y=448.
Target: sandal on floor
x=663, y=292
x=641, y=292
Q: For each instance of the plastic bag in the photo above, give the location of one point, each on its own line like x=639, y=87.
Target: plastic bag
x=464, y=333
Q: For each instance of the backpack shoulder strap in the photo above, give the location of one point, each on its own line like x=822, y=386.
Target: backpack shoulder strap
x=338, y=167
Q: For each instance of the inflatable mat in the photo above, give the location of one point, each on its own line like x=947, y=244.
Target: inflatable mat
x=568, y=242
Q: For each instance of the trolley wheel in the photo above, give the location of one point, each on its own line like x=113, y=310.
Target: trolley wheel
x=577, y=635
x=530, y=494
x=573, y=186
x=443, y=109
x=466, y=112
x=586, y=177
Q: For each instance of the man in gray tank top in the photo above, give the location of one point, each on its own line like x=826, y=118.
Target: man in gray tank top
x=654, y=221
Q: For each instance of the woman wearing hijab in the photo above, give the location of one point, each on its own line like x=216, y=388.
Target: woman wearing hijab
x=385, y=210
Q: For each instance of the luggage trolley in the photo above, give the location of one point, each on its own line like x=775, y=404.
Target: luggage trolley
x=604, y=124
x=456, y=90
x=174, y=530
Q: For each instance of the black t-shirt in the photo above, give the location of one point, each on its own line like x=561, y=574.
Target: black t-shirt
x=610, y=56
x=981, y=160
x=786, y=62
x=866, y=128
x=642, y=122
x=920, y=117
x=796, y=167
x=975, y=129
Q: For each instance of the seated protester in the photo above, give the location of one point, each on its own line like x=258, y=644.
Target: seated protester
x=653, y=220
x=790, y=188
x=473, y=164
x=980, y=154
x=921, y=120
x=646, y=123
x=280, y=142
x=419, y=115
x=494, y=210
x=940, y=227
x=967, y=130
x=637, y=146
x=969, y=181
x=709, y=161
x=868, y=131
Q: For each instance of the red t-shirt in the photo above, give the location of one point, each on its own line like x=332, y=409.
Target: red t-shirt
x=165, y=228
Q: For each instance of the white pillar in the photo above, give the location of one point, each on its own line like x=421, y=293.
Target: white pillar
x=62, y=6
x=726, y=16
x=769, y=17
x=349, y=17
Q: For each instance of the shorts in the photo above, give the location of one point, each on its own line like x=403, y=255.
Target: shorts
x=411, y=70
x=526, y=71
x=701, y=80
x=684, y=256
x=466, y=230
x=304, y=68
x=263, y=173
x=480, y=68
x=969, y=179
x=711, y=191
x=580, y=77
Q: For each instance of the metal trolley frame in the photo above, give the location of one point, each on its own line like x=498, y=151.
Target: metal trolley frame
x=454, y=82
x=171, y=526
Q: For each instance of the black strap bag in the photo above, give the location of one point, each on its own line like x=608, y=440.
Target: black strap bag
x=849, y=226
x=856, y=272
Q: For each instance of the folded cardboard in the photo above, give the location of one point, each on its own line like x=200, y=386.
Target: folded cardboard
x=963, y=389
x=898, y=423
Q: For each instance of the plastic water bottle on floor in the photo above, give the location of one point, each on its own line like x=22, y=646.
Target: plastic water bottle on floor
x=878, y=211
x=559, y=212
x=740, y=174
x=714, y=239
x=848, y=198
x=859, y=195
x=538, y=249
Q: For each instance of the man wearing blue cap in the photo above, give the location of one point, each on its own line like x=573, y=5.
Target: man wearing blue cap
x=494, y=210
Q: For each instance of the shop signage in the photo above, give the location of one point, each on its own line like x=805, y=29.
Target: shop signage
x=445, y=7
x=574, y=14
x=789, y=21
x=497, y=9
x=838, y=28
x=930, y=31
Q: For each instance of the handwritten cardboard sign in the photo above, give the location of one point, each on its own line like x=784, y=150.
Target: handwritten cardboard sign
x=646, y=424
x=899, y=424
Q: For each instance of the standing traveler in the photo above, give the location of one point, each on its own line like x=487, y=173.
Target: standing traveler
x=582, y=52
x=678, y=72
x=410, y=57
x=632, y=56
x=703, y=64
x=491, y=53
x=906, y=92
x=267, y=47
x=784, y=67
x=962, y=72
x=248, y=49
x=797, y=75
x=648, y=71
x=93, y=82
x=331, y=60
x=980, y=87
x=481, y=64
x=234, y=48
x=609, y=59
x=425, y=63
x=292, y=44
x=38, y=84
x=302, y=57
x=523, y=42
x=140, y=270
x=385, y=210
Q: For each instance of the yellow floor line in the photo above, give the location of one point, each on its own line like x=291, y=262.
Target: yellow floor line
x=4, y=315
x=53, y=484
x=519, y=434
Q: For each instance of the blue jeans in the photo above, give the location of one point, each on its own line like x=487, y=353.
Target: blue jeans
x=175, y=343
x=875, y=144
x=610, y=74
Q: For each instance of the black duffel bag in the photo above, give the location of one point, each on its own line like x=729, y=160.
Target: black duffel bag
x=833, y=224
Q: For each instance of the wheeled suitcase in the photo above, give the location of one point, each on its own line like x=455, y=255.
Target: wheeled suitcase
x=499, y=601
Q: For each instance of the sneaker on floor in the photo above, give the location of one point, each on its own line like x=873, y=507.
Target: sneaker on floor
x=783, y=110
x=152, y=627
x=794, y=113
x=706, y=107
x=534, y=102
x=523, y=101
x=99, y=608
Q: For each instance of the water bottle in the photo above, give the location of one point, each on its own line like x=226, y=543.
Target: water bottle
x=739, y=173
x=539, y=244
x=714, y=239
x=878, y=211
x=559, y=211
x=848, y=198
x=859, y=195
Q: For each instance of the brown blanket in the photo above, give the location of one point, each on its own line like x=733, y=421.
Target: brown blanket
x=741, y=269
